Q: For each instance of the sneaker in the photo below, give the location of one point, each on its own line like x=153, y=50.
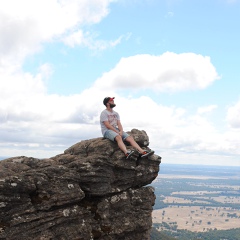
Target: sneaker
x=129, y=154
x=146, y=153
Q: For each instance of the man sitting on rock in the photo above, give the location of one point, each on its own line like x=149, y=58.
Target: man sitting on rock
x=112, y=129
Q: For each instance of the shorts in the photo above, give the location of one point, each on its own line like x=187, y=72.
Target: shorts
x=110, y=134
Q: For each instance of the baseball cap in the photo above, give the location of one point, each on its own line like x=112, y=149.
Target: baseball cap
x=107, y=99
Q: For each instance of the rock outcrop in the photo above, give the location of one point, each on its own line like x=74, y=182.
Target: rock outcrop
x=89, y=192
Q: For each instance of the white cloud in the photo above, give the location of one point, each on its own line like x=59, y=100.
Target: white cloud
x=233, y=115
x=206, y=109
x=169, y=15
x=16, y=84
x=76, y=38
x=25, y=24
x=32, y=120
x=28, y=115
x=167, y=72
x=89, y=40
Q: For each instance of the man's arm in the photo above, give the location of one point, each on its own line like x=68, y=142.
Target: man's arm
x=120, y=127
x=110, y=127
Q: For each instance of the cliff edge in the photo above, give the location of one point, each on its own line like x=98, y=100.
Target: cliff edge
x=89, y=192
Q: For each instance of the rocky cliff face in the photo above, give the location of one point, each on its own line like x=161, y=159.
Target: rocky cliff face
x=89, y=192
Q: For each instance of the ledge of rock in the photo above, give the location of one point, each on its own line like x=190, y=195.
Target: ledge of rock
x=89, y=192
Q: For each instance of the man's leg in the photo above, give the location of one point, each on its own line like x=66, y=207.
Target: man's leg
x=113, y=136
x=134, y=144
x=121, y=144
x=143, y=153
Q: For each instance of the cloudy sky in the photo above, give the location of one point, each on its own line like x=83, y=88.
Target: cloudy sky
x=172, y=65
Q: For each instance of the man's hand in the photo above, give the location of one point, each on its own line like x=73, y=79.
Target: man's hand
x=121, y=133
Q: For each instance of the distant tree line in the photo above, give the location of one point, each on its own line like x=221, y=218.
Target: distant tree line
x=231, y=234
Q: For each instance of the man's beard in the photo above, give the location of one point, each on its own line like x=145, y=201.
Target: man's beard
x=112, y=105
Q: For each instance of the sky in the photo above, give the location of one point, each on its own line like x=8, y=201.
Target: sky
x=172, y=66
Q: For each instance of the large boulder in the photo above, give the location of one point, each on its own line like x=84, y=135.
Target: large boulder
x=88, y=192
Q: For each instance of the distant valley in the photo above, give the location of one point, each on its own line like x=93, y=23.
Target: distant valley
x=197, y=199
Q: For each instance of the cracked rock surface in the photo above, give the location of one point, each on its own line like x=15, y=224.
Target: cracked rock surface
x=88, y=192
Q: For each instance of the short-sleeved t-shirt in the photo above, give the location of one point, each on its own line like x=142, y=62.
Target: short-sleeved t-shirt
x=111, y=117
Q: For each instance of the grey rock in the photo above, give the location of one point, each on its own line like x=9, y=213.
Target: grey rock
x=88, y=192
